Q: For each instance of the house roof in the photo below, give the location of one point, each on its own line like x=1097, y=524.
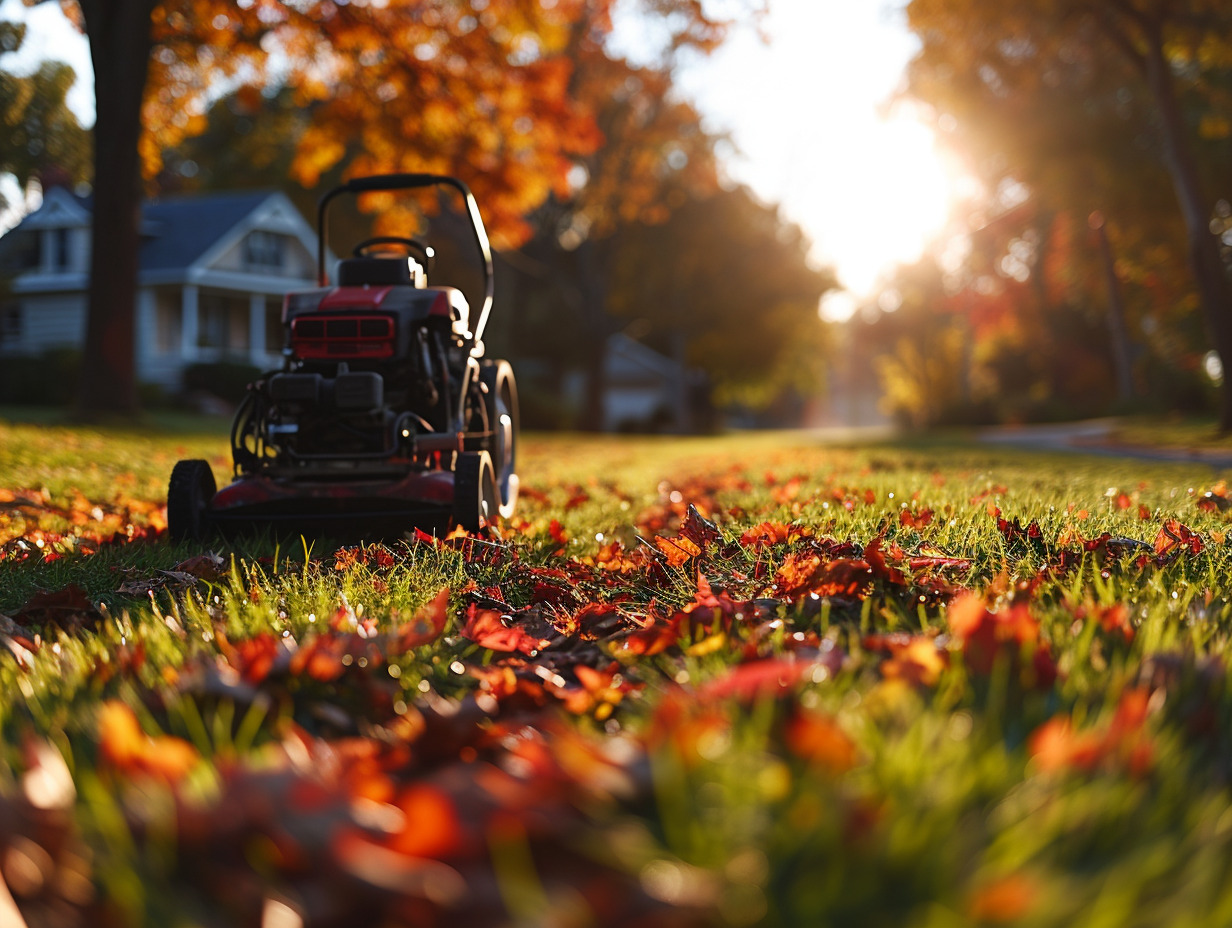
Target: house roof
x=178, y=230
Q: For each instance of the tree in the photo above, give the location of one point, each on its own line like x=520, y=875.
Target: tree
x=409, y=85
x=1137, y=68
x=40, y=138
x=726, y=279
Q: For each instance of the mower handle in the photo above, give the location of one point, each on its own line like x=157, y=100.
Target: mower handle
x=360, y=185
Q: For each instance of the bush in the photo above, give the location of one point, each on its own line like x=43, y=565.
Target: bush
x=227, y=380
x=46, y=379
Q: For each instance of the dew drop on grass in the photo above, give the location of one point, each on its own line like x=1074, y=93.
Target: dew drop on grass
x=423, y=686
x=457, y=667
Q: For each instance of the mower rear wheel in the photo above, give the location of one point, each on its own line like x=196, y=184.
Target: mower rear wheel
x=501, y=404
x=189, y=494
x=475, y=499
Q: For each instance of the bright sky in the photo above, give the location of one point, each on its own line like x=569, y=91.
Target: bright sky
x=808, y=112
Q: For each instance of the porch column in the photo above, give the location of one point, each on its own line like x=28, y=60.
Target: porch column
x=188, y=325
x=256, y=330
x=145, y=332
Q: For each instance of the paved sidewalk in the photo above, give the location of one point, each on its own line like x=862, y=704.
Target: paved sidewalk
x=1094, y=436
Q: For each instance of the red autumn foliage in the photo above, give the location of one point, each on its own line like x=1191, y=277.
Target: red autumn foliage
x=485, y=628
x=1174, y=539
x=819, y=740
x=1056, y=747
x=1002, y=635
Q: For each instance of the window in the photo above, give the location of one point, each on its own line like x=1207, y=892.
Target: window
x=264, y=250
x=56, y=253
x=167, y=320
x=10, y=325
x=222, y=322
x=61, y=258
x=274, y=333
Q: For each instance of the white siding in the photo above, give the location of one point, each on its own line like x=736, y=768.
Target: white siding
x=53, y=321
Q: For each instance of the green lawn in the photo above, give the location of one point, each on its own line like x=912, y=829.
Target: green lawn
x=921, y=684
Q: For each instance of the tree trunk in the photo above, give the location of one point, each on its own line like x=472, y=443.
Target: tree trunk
x=592, y=282
x=119, y=36
x=1118, y=331
x=1209, y=274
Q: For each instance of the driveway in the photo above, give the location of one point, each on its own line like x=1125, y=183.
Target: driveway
x=1094, y=436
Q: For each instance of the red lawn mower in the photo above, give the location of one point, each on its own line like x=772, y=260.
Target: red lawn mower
x=385, y=415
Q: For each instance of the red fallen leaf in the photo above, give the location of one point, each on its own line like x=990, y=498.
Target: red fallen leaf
x=677, y=551
x=577, y=499
x=1123, y=501
x=1031, y=535
x=557, y=532
x=484, y=627
x=1114, y=618
x=795, y=572
x=698, y=529
x=918, y=519
x=819, y=740
x=759, y=679
x=432, y=828
x=1004, y=900
x=652, y=640
x=1144, y=514
x=880, y=567
x=319, y=658
x=426, y=625
x=1215, y=499
x=69, y=609
x=765, y=535
x=208, y=567
x=913, y=658
x=1175, y=537
x=1055, y=746
x=987, y=635
x=127, y=749
x=253, y=658
x=802, y=574
x=423, y=538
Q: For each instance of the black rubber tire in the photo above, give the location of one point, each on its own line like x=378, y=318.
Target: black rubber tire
x=501, y=404
x=474, y=490
x=189, y=495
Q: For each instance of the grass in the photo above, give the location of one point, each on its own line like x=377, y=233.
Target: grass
x=916, y=684
x=1175, y=431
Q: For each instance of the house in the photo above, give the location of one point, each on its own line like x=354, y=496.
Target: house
x=213, y=270
x=644, y=390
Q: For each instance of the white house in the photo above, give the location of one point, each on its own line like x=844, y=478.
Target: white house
x=213, y=272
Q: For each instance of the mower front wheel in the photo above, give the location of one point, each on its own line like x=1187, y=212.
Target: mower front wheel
x=189, y=494
x=501, y=406
x=475, y=497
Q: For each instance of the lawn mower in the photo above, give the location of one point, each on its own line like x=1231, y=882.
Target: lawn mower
x=385, y=415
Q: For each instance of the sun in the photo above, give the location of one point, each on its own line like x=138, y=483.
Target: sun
x=885, y=192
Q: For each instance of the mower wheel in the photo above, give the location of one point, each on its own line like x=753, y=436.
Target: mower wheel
x=474, y=490
x=188, y=500
x=501, y=404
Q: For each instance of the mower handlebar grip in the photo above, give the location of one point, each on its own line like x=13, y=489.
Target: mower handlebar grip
x=402, y=182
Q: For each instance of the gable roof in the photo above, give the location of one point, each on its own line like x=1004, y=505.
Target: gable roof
x=178, y=230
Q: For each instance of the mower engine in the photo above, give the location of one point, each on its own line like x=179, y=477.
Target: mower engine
x=385, y=414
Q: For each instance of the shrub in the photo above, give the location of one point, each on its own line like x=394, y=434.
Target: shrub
x=46, y=379
x=227, y=380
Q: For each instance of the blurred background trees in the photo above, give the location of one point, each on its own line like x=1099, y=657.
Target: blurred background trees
x=1093, y=272
x=573, y=150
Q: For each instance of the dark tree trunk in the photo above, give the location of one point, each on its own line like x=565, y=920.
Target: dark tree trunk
x=1118, y=331
x=592, y=352
x=119, y=36
x=1214, y=292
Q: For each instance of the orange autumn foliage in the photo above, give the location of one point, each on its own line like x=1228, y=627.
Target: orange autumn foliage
x=125, y=748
